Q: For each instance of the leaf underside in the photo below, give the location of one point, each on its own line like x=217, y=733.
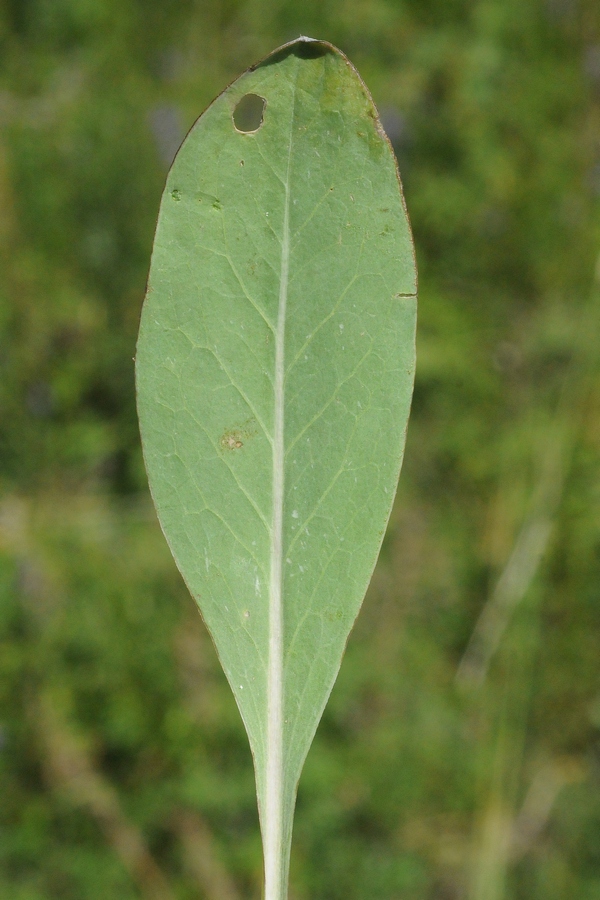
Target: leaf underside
x=275, y=367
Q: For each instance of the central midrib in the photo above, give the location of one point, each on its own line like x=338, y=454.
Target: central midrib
x=274, y=760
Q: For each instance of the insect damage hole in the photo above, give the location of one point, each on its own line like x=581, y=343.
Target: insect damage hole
x=249, y=113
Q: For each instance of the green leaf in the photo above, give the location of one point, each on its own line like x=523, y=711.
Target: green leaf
x=275, y=367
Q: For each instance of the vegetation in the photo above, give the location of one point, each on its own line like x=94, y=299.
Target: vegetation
x=274, y=373
x=458, y=757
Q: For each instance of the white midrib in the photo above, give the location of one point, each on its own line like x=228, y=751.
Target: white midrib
x=273, y=837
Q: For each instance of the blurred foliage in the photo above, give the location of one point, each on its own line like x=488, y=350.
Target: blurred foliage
x=459, y=758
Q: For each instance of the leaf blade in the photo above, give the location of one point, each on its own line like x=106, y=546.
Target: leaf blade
x=275, y=368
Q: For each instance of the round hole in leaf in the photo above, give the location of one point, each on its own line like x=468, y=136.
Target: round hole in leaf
x=248, y=114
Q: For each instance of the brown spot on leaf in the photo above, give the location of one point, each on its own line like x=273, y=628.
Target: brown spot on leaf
x=231, y=440
x=234, y=438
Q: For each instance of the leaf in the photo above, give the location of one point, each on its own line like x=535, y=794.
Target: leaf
x=275, y=368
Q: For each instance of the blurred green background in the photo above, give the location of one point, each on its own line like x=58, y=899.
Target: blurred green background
x=459, y=757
